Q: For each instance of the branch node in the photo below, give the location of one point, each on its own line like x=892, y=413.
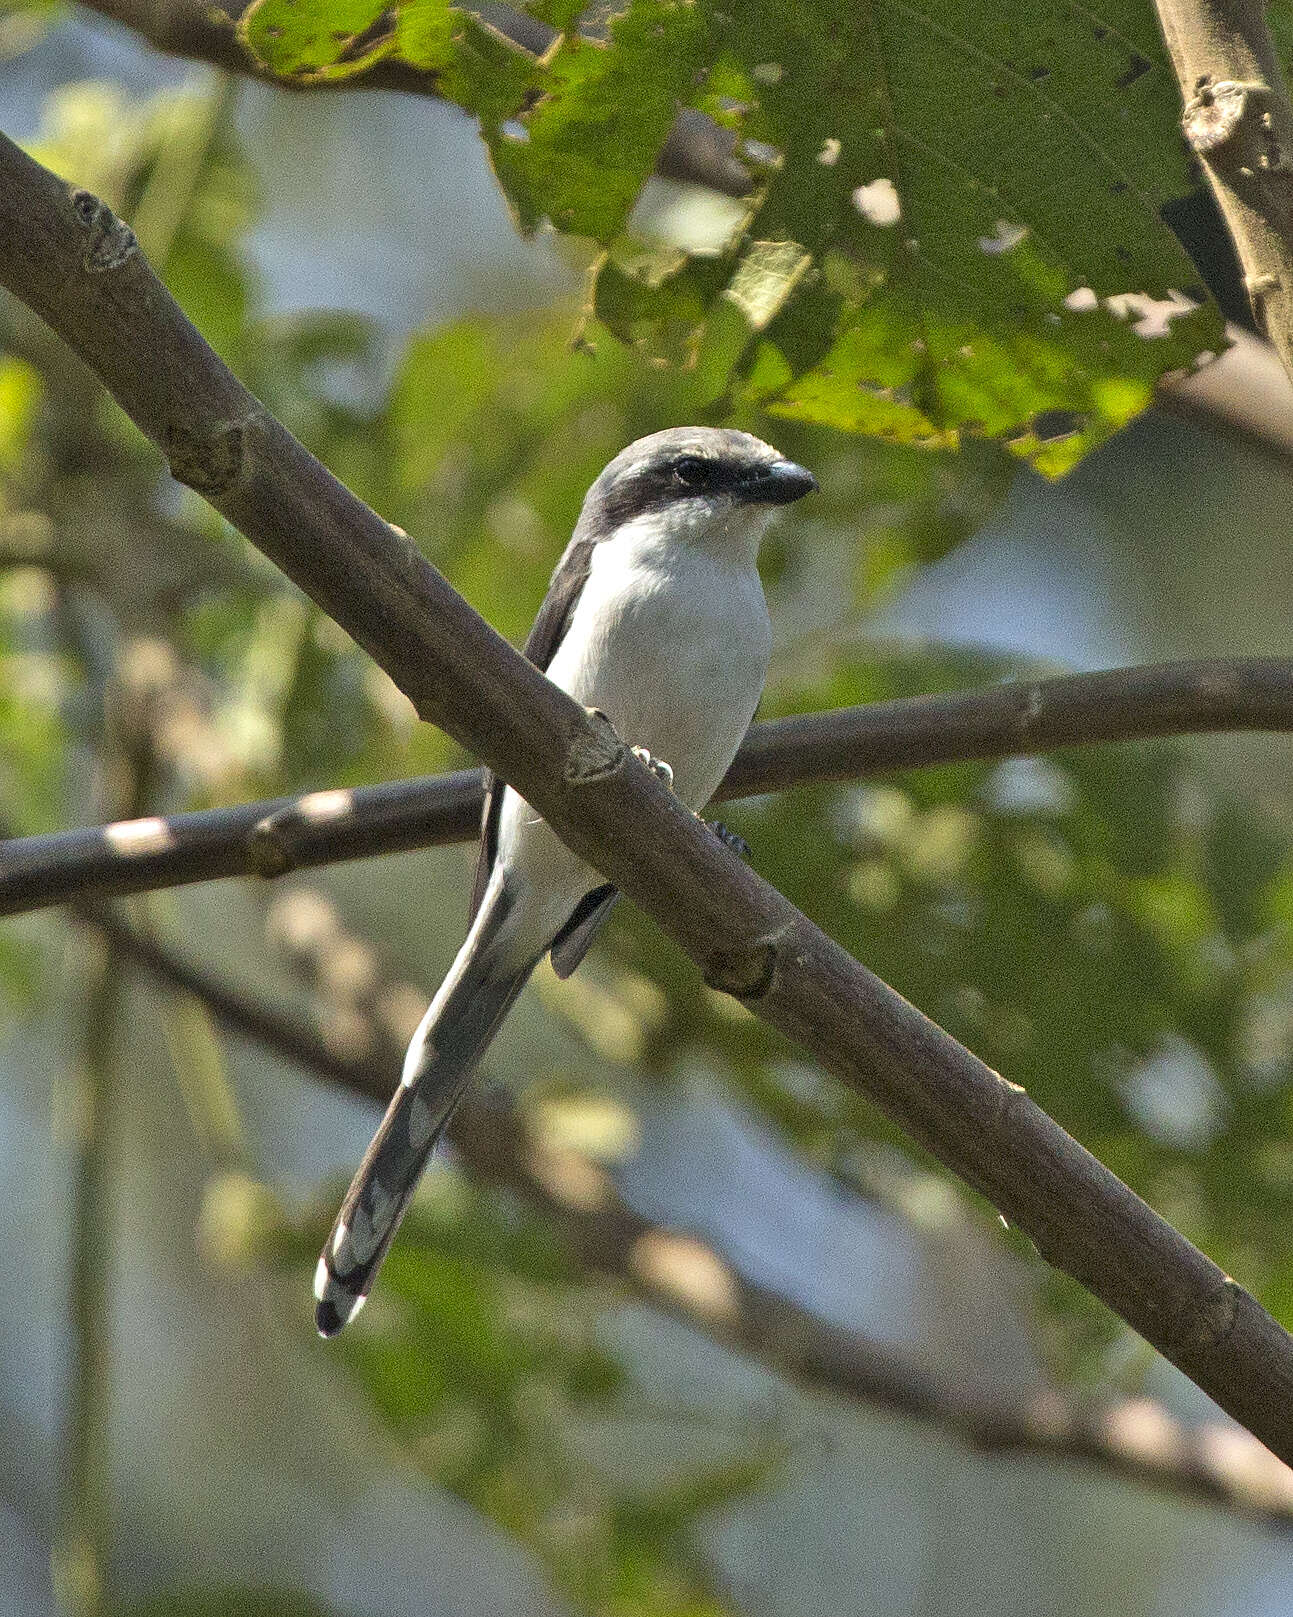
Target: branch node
x=208, y=460
x=1211, y=1324
x=746, y=972
x=1031, y=708
x=267, y=854
x=1213, y=115
x=109, y=241
x=595, y=750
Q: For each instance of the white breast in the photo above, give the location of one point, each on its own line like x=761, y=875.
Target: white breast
x=671, y=641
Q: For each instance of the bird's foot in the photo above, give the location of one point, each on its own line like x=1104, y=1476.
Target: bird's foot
x=730, y=839
x=657, y=766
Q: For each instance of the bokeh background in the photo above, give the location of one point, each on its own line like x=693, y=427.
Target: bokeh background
x=530, y=1418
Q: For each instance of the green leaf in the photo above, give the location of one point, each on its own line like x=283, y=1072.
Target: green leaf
x=955, y=214
x=477, y=66
x=327, y=39
x=323, y=41
x=581, y=155
x=951, y=196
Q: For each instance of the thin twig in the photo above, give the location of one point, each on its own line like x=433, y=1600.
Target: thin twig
x=1238, y=122
x=75, y=264
x=272, y=837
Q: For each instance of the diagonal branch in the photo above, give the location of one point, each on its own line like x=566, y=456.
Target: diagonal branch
x=76, y=265
x=677, y=1272
x=272, y=837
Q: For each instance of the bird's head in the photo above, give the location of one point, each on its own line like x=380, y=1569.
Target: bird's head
x=708, y=486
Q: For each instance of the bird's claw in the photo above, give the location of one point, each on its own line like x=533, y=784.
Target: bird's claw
x=730, y=839
x=657, y=766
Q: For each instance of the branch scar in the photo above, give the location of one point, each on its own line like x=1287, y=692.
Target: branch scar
x=1213, y=115
x=109, y=241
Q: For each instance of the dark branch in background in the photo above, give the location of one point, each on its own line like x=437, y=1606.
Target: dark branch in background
x=76, y=265
x=1238, y=122
x=697, y=149
x=271, y=838
x=684, y=1276
x=201, y=32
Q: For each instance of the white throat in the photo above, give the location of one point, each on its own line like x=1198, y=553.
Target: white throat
x=722, y=530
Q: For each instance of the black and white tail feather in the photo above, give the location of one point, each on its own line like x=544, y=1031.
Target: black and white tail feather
x=442, y=1056
x=655, y=615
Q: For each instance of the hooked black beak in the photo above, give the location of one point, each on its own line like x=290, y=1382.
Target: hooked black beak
x=778, y=484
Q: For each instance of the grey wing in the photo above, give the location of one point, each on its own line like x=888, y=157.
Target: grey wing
x=575, y=939
x=546, y=634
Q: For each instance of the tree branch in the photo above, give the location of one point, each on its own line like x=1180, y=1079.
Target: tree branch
x=76, y=265
x=1238, y=122
x=675, y=1271
x=201, y=32
x=998, y=721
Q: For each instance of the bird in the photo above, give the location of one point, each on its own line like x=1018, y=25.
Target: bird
x=655, y=616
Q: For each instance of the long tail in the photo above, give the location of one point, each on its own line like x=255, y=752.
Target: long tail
x=444, y=1053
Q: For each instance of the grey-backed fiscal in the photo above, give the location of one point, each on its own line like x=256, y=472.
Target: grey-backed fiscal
x=655, y=615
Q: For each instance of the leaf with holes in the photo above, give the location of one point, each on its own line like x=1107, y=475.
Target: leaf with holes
x=955, y=215
x=581, y=155
x=959, y=224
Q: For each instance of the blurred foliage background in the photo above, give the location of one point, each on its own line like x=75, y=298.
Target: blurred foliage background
x=526, y=1421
